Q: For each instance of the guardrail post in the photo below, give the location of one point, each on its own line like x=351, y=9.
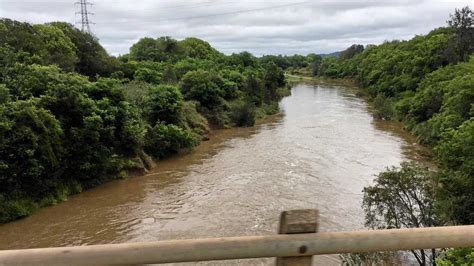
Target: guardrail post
x=298, y=222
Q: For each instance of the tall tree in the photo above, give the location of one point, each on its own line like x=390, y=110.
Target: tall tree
x=274, y=78
x=161, y=49
x=463, y=22
x=254, y=91
x=402, y=198
x=352, y=51
x=93, y=58
x=316, y=64
x=60, y=49
x=202, y=86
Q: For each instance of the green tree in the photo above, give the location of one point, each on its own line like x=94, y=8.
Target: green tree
x=163, y=104
x=145, y=49
x=67, y=125
x=169, y=75
x=244, y=59
x=199, y=49
x=171, y=48
x=274, y=78
x=100, y=127
x=254, y=90
x=4, y=94
x=148, y=75
x=60, y=49
x=442, y=102
x=242, y=113
x=329, y=66
x=457, y=256
x=22, y=37
x=161, y=49
x=384, y=108
x=191, y=119
x=93, y=58
x=352, y=51
x=456, y=154
x=233, y=84
x=136, y=93
x=402, y=198
x=201, y=86
x=316, y=64
x=163, y=140
x=26, y=81
x=31, y=150
x=463, y=22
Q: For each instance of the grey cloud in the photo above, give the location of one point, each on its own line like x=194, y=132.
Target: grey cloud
x=258, y=26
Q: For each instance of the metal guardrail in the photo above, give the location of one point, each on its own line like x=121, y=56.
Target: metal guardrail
x=293, y=246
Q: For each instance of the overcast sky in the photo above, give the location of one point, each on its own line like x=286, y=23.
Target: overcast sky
x=258, y=26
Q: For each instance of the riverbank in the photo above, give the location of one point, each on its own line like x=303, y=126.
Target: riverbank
x=292, y=78
x=144, y=164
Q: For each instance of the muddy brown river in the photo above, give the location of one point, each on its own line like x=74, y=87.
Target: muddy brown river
x=319, y=153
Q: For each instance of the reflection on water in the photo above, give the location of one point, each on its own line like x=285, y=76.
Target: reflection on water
x=319, y=153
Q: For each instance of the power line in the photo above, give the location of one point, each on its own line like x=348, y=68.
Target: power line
x=85, y=23
x=216, y=14
x=241, y=11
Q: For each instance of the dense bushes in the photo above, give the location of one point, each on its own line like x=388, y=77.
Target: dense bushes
x=442, y=101
x=202, y=86
x=73, y=117
x=64, y=133
x=458, y=256
x=242, y=113
x=163, y=104
x=384, y=108
x=456, y=155
x=55, y=44
x=191, y=119
x=163, y=140
x=30, y=148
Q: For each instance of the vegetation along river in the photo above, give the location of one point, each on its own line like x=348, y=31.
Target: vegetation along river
x=319, y=153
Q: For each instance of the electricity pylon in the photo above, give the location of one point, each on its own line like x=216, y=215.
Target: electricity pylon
x=85, y=23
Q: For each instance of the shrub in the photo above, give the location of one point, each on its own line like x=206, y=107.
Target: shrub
x=202, y=86
x=242, y=113
x=163, y=104
x=148, y=75
x=217, y=117
x=30, y=149
x=384, y=108
x=163, y=140
x=15, y=209
x=191, y=119
x=456, y=155
x=136, y=93
x=4, y=94
x=456, y=256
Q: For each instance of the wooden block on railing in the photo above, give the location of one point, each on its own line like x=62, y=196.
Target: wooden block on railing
x=298, y=222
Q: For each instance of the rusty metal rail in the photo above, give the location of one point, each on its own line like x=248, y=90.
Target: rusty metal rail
x=289, y=244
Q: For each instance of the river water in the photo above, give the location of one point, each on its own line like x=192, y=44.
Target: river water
x=319, y=153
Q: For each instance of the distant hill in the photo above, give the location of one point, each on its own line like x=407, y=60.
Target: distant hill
x=333, y=54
